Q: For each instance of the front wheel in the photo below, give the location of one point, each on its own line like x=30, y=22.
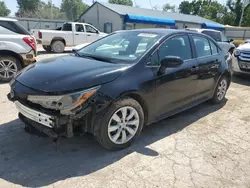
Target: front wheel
x=121, y=124
x=221, y=90
x=9, y=66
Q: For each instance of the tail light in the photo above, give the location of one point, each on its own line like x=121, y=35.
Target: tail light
x=31, y=42
x=40, y=35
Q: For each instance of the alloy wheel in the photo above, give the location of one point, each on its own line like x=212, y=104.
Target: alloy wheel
x=7, y=69
x=123, y=125
x=222, y=89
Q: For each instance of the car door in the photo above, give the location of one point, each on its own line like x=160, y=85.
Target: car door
x=92, y=33
x=209, y=60
x=175, y=89
x=80, y=36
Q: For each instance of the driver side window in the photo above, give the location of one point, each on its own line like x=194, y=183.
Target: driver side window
x=176, y=46
x=90, y=29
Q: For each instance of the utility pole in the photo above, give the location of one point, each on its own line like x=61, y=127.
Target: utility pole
x=244, y=4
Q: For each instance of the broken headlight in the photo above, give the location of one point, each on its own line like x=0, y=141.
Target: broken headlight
x=65, y=103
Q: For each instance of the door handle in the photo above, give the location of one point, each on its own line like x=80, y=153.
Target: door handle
x=76, y=34
x=88, y=35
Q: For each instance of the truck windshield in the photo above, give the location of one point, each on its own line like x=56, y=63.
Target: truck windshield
x=123, y=46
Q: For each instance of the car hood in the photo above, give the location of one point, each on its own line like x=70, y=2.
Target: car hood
x=68, y=73
x=244, y=47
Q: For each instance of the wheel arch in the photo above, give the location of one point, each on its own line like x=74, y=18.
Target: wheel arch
x=137, y=97
x=11, y=53
x=58, y=39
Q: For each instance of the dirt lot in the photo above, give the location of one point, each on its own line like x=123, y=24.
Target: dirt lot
x=207, y=146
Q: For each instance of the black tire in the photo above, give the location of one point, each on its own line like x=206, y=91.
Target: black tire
x=102, y=136
x=17, y=64
x=216, y=99
x=47, y=48
x=58, y=46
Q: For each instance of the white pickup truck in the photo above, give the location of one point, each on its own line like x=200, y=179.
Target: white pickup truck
x=70, y=34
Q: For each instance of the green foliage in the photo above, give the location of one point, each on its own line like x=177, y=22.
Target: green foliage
x=211, y=9
x=73, y=8
x=27, y=8
x=122, y=2
x=4, y=11
x=168, y=8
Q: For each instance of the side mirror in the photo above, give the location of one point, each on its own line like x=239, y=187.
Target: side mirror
x=171, y=62
x=231, y=40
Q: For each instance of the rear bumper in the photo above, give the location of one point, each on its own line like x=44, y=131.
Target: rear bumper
x=240, y=70
x=29, y=57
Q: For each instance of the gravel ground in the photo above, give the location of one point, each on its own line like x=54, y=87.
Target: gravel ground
x=206, y=146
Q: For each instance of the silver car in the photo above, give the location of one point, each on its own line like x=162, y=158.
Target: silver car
x=225, y=43
x=241, y=59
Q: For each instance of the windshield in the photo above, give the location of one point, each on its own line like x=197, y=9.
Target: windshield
x=124, y=46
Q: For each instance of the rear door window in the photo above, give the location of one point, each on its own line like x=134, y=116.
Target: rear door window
x=15, y=27
x=215, y=35
x=67, y=27
x=202, y=46
x=214, y=48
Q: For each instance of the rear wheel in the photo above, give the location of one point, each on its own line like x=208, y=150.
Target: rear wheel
x=58, y=46
x=121, y=124
x=47, y=48
x=221, y=90
x=9, y=66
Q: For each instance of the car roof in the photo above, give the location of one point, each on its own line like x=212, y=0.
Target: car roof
x=200, y=30
x=7, y=19
x=160, y=31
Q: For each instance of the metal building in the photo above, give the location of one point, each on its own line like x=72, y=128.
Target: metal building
x=112, y=17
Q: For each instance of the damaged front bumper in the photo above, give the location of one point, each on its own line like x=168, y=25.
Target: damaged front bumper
x=53, y=123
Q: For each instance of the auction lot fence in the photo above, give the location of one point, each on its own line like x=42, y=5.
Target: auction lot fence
x=34, y=23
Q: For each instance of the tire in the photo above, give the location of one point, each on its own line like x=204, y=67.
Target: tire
x=47, y=48
x=220, y=90
x=58, y=46
x=104, y=136
x=9, y=66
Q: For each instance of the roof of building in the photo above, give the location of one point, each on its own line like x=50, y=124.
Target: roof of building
x=123, y=10
x=7, y=19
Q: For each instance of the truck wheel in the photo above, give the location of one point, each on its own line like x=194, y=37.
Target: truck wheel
x=47, y=48
x=58, y=46
x=9, y=66
x=121, y=124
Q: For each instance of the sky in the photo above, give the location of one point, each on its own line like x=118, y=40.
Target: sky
x=12, y=4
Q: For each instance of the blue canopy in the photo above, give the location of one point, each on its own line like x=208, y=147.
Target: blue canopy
x=148, y=20
x=213, y=26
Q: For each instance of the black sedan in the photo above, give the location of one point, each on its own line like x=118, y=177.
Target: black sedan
x=118, y=84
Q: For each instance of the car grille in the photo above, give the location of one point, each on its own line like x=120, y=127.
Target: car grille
x=244, y=61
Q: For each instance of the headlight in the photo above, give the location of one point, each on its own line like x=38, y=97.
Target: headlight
x=64, y=103
x=236, y=52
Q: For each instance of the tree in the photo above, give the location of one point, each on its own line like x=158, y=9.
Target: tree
x=27, y=8
x=168, y=8
x=235, y=6
x=49, y=11
x=73, y=8
x=4, y=11
x=185, y=7
x=122, y=2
